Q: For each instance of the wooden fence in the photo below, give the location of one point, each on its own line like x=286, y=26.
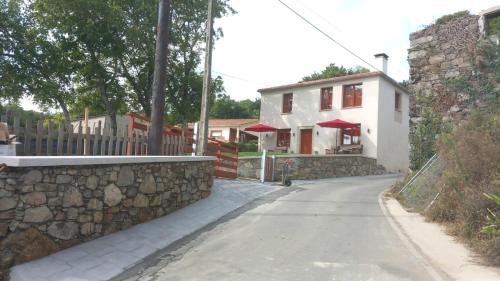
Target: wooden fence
x=50, y=139
x=226, y=165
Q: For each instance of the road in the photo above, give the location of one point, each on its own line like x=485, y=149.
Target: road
x=325, y=230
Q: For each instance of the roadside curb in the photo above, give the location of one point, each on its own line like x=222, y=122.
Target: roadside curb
x=423, y=259
x=436, y=250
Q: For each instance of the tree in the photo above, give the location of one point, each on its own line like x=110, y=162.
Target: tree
x=226, y=108
x=335, y=71
x=30, y=63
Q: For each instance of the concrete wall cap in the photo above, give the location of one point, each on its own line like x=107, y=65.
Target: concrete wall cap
x=45, y=161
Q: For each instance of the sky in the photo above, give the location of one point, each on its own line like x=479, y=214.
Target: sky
x=265, y=44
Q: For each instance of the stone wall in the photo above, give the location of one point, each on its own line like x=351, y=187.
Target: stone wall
x=441, y=52
x=45, y=209
x=313, y=166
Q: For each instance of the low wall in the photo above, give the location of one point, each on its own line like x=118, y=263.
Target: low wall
x=313, y=166
x=50, y=203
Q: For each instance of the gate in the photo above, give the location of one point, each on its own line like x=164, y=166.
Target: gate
x=269, y=169
x=226, y=165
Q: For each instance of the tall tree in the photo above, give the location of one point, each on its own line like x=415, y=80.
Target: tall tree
x=31, y=63
x=155, y=133
x=333, y=70
x=226, y=108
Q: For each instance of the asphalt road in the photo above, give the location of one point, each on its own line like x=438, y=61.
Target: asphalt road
x=327, y=230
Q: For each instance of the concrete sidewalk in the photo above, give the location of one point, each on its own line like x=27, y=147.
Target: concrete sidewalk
x=106, y=257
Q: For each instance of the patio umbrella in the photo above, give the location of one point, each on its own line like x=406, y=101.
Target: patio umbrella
x=260, y=128
x=338, y=124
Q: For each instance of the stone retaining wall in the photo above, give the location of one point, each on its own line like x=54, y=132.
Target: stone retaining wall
x=441, y=52
x=313, y=166
x=45, y=209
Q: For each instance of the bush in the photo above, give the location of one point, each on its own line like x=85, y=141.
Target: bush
x=251, y=146
x=447, y=18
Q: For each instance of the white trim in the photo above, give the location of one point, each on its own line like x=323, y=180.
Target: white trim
x=44, y=161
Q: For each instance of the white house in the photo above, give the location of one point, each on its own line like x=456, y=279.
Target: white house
x=373, y=101
x=230, y=130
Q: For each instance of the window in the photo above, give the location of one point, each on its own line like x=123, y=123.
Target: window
x=351, y=135
x=397, y=101
x=283, y=138
x=326, y=98
x=287, y=103
x=352, y=95
x=216, y=134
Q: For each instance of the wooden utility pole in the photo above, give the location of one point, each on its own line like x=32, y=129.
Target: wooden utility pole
x=201, y=145
x=155, y=133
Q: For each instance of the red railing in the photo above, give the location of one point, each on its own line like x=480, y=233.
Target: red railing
x=226, y=165
x=138, y=124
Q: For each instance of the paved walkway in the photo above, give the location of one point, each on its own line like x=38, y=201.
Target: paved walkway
x=106, y=257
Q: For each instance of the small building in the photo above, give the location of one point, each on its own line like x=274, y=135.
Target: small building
x=231, y=130
x=376, y=103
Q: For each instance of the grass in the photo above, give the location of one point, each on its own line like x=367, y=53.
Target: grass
x=256, y=153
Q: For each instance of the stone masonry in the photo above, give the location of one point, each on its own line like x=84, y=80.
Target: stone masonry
x=45, y=209
x=314, y=166
x=441, y=52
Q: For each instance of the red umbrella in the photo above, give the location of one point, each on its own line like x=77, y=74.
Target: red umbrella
x=337, y=123
x=261, y=128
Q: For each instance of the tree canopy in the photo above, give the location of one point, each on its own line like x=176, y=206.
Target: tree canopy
x=333, y=70
x=100, y=54
x=226, y=108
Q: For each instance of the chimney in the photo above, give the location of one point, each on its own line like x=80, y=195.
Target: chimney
x=382, y=61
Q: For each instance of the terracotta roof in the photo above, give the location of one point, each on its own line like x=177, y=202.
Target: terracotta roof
x=228, y=122
x=333, y=80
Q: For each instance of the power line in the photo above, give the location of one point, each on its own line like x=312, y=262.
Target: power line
x=328, y=36
x=237, y=78
x=318, y=15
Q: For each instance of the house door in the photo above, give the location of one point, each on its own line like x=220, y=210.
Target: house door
x=306, y=141
x=232, y=134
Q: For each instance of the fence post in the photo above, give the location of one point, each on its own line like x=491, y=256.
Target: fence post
x=27, y=138
x=263, y=166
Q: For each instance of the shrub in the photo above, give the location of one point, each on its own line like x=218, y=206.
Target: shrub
x=447, y=18
x=251, y=146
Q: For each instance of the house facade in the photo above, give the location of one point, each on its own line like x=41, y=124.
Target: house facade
x=373, y=101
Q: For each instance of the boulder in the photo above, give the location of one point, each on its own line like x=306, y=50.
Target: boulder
x=141, y=201
x=72, y=197
x=35, y=198
x=148, y=185
x=125, y=176
x=32, y=177
x=63, y=230
x=8, y=203
x=112, y=195
x=38, y=214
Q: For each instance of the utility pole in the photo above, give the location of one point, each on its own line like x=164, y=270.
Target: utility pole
x=155, y=133
x=201, y=145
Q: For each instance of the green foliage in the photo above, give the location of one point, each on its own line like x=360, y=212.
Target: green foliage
x=251, y=146
x=423, y=135
x=447, y=18
x=226, y=108
x=335, y=71
x=100, y=54
x=493, y=226
x=493, y=25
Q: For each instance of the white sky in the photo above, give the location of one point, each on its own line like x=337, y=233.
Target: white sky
x=265, y=44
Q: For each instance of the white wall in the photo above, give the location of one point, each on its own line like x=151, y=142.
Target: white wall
x=393, y=144
x=306, y=113
x=121, y=122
